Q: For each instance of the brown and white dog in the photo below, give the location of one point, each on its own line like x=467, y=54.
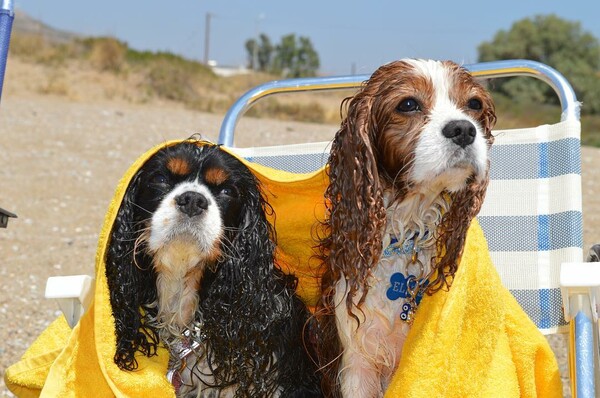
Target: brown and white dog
x=190, y=265
x=408, y=172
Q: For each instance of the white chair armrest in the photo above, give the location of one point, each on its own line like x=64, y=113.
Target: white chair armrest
x=580, y=289
x=73, y=293
x=578, y=279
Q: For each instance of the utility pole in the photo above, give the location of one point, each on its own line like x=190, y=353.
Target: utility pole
x=260, y=17
x=207, y=37
x=255, y=48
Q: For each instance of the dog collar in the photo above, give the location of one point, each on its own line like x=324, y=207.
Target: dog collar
x=188, y=347
x=412, y=283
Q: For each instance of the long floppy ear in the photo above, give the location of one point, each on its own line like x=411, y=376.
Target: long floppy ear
x=488, y=119
x=453, y=232
x=130, y=282
x=276, y=322
x=351, y=238
x=356, y=215
x=246, y=298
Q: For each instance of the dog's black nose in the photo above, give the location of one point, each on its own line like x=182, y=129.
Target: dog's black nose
x=191, y=203
x=461, y=132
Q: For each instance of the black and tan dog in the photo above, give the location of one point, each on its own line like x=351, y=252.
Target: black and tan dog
x=191, y=265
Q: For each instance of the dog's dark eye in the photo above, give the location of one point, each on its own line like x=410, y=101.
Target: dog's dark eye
x=408, y=105
x=160, y=179
x=227, y=191
x=475, y=104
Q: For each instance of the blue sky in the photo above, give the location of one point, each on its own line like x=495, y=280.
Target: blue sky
x=365, y=34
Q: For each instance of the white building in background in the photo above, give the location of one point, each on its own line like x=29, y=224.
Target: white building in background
x=226, y=71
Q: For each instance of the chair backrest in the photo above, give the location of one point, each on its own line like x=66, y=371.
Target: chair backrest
x=532, y=215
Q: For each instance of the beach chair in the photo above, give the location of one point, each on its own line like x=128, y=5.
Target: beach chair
x=532, y=215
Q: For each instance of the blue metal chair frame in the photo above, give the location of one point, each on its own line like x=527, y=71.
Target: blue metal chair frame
x=7, y=15
x=487, y=70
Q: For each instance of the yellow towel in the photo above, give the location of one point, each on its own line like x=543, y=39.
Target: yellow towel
x=298, y=202
x=79, y=362
x=473, y=341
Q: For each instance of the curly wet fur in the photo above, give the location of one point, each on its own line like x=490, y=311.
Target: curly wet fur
x=125, y=276
x=252, y=324
x=363, y=164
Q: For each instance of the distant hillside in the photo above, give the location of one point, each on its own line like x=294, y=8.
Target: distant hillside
x=25, y=24
x=56, y=62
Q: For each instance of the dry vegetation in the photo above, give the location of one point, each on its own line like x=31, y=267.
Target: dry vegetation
x=142, y=77
x=74, y=68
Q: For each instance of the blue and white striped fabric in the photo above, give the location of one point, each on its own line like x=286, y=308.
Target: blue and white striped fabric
x=531, y=217
x=296, y=158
